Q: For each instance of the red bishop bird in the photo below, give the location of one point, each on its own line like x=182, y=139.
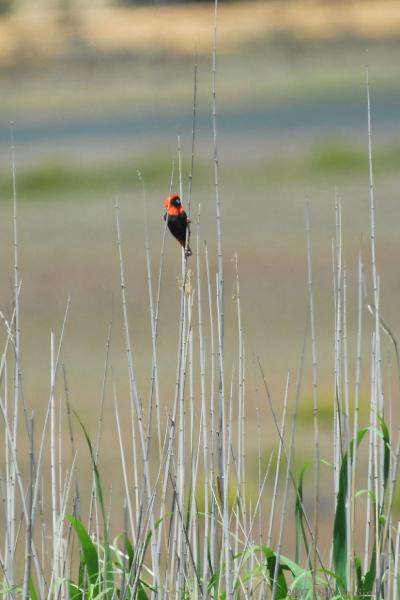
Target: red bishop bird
x=177, y=221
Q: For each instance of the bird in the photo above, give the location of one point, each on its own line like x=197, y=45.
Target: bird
x=177, y=221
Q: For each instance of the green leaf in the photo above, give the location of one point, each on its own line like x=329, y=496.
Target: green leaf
x=213, y=582
x=75, y=592
x=108, y=564
x=81, y=575
x=357, y=566
x=32, y=590
x=369, y=578
x=89, y=552
x=128, y=549
x=299, y=514
x=141, y=594
x=340, y=541
x=303, y=582
x=281, y=589
x=386, y=456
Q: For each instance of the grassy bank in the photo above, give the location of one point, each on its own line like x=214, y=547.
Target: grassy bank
x=332, y=160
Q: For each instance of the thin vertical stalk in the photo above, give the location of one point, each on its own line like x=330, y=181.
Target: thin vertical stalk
x=60, y=455
x=128, y=503
x=278, y=463
x=8, y=562
x=227, y=429
x=132, y=379
x=220, y=296
x=371, y=191
x=53, y=462
x=346, y=365
x=283, y=513
x=396, y=570
x=223, y=475
x=375, y=289
x=315, y=401
x=241, y=398
x=377, y=449
x=347, y=428
x=135, y=461
x=161, y=266
x=370, y=456
x=16, y=399
x=154, y=377
x=182, y=409
x=193, y=135
x=213, y=543
x=260, y=511
x=204, y=421
x=338, y=434
x=100, y=422
x=243, y=430
x=356, y=415
x=392, y=489
x=216, y=171
x=29, y=534
x=299, y=378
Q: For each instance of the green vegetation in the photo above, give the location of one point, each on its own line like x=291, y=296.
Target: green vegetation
x=333, y=159
x=5, y=6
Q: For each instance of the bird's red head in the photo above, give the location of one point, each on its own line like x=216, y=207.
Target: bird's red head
x=173, y=205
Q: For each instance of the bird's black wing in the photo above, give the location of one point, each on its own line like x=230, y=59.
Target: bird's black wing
x=178, y=225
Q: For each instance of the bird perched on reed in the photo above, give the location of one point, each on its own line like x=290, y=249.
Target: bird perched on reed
x=177, y=221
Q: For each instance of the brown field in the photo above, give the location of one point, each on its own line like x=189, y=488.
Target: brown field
x=40, y=35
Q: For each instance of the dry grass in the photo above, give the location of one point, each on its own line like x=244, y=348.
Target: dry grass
x=40, y=35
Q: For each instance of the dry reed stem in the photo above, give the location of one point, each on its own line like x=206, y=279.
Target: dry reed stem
x=315, y=402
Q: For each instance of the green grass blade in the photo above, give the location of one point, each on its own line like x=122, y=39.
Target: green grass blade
x=281, y=586
x=75, y=592
x=108, y=564
x=358, y=572
x=302, y=584
x=340, y=530
x=81, y=575
x=369, y=578
x=386, y=457
x=213, y=584
x=141, y=594
x=89, y=552
x=128, y=548
x=340, y=533
x=32, y=590
x=299, y=516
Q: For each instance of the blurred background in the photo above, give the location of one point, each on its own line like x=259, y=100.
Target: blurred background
x=99, y=90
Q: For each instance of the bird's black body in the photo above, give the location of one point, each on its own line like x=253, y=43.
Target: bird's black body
x=177, y=224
